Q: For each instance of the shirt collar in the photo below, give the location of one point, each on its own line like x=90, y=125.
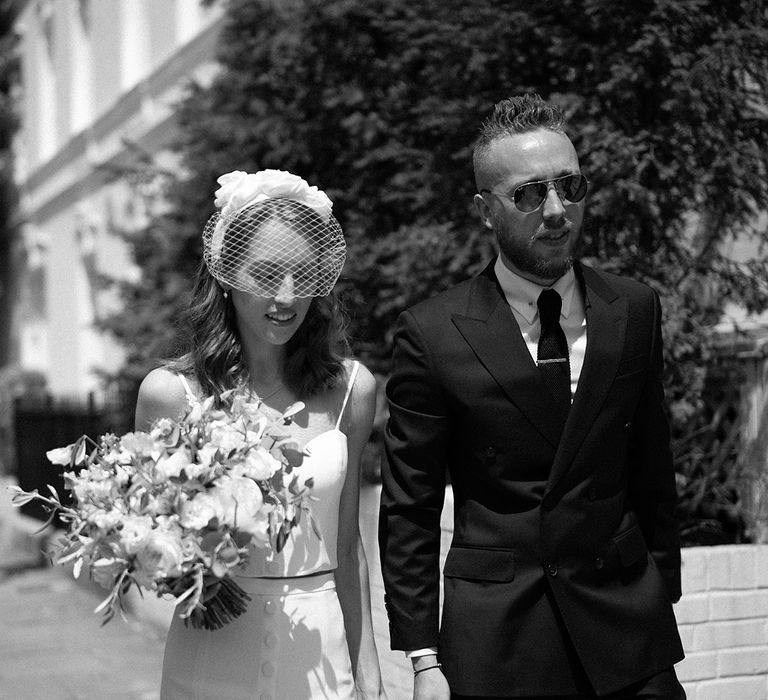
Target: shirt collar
x=522, y=294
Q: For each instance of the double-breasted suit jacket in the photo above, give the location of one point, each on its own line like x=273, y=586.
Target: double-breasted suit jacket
x=565, y=556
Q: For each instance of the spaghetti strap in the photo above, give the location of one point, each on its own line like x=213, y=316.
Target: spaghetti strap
x=350, y=384
x=187, y=389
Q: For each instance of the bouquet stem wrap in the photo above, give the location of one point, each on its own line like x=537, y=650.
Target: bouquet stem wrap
x=225, y=600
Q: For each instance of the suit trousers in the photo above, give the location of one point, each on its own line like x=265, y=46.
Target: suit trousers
x=660, y=686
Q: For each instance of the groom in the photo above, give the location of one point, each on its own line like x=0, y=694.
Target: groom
x=536, y=389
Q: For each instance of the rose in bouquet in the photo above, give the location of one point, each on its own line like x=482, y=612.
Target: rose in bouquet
x=176, y=510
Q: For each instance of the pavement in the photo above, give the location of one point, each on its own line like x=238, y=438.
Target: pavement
x=53, y=646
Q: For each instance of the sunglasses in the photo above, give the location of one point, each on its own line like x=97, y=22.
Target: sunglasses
x=531, y=195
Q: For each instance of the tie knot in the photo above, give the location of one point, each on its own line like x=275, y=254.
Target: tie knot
x=549, y=304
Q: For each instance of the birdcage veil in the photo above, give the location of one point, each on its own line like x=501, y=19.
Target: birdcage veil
x=273, y=230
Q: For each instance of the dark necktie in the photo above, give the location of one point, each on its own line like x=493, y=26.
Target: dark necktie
x=552, y=355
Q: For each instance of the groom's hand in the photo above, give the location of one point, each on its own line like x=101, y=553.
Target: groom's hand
x=429, y=683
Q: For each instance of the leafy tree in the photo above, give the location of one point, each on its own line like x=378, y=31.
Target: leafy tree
x=379, y=102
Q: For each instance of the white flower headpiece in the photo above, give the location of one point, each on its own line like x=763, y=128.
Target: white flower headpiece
x=240, y=189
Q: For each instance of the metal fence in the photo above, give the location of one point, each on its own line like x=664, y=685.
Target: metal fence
x=44, y=423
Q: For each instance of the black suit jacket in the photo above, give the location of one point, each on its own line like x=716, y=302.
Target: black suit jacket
x=565, y=555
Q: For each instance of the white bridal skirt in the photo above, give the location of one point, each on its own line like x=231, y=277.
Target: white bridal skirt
x=288, y=645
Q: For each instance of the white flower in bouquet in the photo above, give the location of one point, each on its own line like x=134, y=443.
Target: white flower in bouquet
x=134, y=531
x=170, y=466
x=159, y=556
x=259, y=465
x=240, y=499
x=138, y=445
x=98, y=489
x=228, y=437
x=105, y=520
x=176, y=510
x=206, y=456
x=195, y=513
x=107, y=570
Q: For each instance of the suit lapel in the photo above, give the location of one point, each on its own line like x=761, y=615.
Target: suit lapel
x=606, y=314
x=493, y=334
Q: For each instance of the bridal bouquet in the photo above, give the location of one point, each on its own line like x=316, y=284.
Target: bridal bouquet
x=176, y=510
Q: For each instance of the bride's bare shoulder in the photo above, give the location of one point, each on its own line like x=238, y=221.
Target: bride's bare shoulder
x=161, y=395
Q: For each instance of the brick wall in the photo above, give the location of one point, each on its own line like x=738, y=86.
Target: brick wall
x=722, y=616
x=723, y=620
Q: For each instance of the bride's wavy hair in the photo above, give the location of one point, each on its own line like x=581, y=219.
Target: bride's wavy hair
x=315, y=353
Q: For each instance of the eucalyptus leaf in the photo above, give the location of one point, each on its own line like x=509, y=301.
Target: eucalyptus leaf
x=78, y=454
x=293, y=409
x=280, y=540
x=294, y=456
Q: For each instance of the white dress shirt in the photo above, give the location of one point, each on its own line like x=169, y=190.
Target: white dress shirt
x=522, y=295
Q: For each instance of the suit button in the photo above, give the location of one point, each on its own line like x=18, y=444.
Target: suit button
x=552, y=569
x=627, y=426
x=490, y=452
x=599, y=563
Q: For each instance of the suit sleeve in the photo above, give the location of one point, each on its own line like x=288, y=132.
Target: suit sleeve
x=652, y=484
x=413, y=490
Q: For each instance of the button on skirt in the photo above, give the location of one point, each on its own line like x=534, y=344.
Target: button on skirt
x=290, y=644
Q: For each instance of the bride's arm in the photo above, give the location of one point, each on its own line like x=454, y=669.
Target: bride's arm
x=161, y=395
x=352, y=582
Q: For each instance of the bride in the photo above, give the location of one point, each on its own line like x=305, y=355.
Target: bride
x=264, y=320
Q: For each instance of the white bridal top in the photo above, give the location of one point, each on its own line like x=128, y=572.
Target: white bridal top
x=304, y=553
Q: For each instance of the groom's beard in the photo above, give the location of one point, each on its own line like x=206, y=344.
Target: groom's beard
x=522, y=255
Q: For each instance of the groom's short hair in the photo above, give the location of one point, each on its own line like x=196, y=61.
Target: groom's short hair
x=516, y=115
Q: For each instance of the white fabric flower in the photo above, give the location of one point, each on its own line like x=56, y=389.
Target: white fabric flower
x=240, y=189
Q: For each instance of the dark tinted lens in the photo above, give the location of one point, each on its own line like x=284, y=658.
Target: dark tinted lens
x=571, y=187
x=529, y=197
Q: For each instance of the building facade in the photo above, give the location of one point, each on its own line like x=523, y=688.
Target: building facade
x=99, y=83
